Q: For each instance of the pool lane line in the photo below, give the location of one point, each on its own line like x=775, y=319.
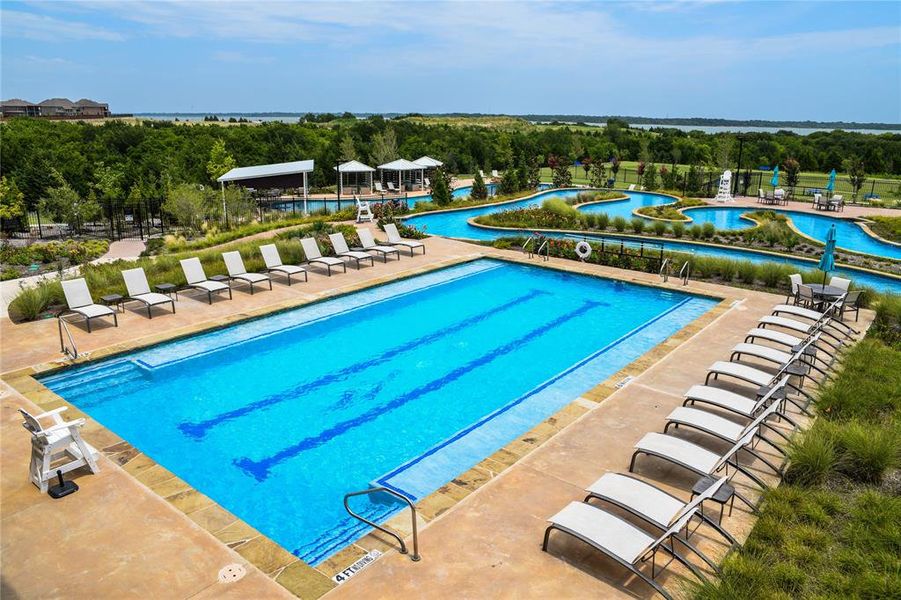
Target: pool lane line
x=259, y=469
x=383, y=479
x=199, y=429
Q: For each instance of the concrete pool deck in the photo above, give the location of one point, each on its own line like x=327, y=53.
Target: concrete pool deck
x=137, y=530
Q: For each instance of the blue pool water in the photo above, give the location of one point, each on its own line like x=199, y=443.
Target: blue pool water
x=454, y=224
x=406, y=384
x=850, y=236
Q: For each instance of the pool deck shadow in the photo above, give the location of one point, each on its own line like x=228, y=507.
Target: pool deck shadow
x=136, y=529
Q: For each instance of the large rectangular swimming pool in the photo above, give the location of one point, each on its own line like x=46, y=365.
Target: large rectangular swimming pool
x=405, y=385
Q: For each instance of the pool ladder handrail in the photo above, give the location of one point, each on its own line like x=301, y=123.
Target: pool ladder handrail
x=666, y=269
x=531, y=239
x=62, y=325
x=403, y=547
x=685, y=272
x=547, y=250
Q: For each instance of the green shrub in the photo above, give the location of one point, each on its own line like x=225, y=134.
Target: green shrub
x=603, y=221
x=747, y=272
x=696, y=231
x=659, y=227
x=867, y=450
x=868, y=387
x=709, y=231
x=638, y=224
x=772, y=274
x=887, y=324
x=34, y=300
x=619, y=223
x=813, y=457
x=678, y=229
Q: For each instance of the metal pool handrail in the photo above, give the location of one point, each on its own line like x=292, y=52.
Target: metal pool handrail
x=665, y=269
x=73, y=354
x=403, y=547
x=685, y=272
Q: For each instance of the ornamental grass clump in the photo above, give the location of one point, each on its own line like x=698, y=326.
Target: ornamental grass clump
x=659, y=228
x=603, y=221
x=638, y=225
x=678, y=229
x=619, y=223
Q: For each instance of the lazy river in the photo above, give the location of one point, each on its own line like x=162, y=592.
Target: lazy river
x=455, y=224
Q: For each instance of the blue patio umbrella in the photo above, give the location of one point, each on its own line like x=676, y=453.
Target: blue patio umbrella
x=830, y=185
x=775, y=180
x=827, y=261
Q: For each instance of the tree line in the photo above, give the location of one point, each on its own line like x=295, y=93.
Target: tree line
x=118, y=160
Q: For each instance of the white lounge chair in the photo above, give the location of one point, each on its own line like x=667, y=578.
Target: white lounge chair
x=648, y=502
x=364, y=211
x=740, y=372
x=427, y=182
x=800, y=327
x=60, y=440
x=378, y=187
x=139, y=291
x=274, y=264
x=237, y=271
x=314, y=255
x=771, y=335
x=766, y=353
x=393, y=189
x=342, y=251
x=395, y=240
x=620, y=540
x=631, y=187
x=494, y=174
x=823, y=318
x=695, y=458
x=367, y=241
x=196, y=278
x=482, y=173
x=742, y=405
x=79, y=301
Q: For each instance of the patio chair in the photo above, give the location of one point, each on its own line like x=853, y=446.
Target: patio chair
x=482, y=173
x=822, y=317
x=837, y=202
x=625, y=543
x=342, y=251
x=697, y=459
x=367, y=241
x=139, y=291
x=648, y=502
x=761, y=196
x=428, y=184
x=801, y=327
x=819, y=203
x=794, y=280
x=848, y=303
x=778, y=195
x=79, y=301
x=395, y=240
x=237, y=271
x=840, y=282
x=378, y=187
x=274, y=263
x=741, y=405
x=631, y=187
x=393, y=189
x=197, y=279
x=729, y=431
x=313, y=254
x=494, y=174
x=59, y=440
x=806, y=297
x=364, y=212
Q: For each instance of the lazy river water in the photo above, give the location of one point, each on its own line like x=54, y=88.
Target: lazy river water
x=454, y=224
x=849, y=234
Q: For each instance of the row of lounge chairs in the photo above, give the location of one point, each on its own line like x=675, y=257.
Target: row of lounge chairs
x=79, y=300
x=745, y=420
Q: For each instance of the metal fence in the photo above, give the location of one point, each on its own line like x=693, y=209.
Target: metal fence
x=116, y=220
x=273, y=208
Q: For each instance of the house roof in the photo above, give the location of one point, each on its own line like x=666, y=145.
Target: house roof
x=17, y=102
x=63, y=102
x=428, y=162
x=353, y=166
x=401, y=164
x=89, y=102
x=273, y=170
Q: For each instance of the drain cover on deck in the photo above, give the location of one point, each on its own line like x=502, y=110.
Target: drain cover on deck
x=232, y=573
x=624, y=382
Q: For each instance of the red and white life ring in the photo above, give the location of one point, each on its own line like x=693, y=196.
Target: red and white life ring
x=583, y=249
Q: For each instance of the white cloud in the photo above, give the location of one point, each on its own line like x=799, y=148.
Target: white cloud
x=48, y=29
x=230, y=56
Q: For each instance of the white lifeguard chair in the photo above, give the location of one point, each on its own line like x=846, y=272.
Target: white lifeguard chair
x=724, y=193
x=61, y=441
x=364, y=212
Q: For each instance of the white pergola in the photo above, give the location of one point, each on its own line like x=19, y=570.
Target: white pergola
x=401, y=166
x=276, y=175
x=353, y=167
x=427, y=162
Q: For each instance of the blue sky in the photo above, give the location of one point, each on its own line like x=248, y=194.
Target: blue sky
x=767, y=60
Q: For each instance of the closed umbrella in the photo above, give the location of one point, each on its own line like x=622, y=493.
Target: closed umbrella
x=830, y=185
x=775, y=180
x=827, y=261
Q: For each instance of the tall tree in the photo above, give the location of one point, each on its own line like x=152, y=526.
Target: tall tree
x=221, y=162
x=441, y=190
x=384, y=147
x=346, y=148
x=479, y=189
x=856, y=173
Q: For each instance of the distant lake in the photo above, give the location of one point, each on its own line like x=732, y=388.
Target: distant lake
x=293, y=118
x=743, y=129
